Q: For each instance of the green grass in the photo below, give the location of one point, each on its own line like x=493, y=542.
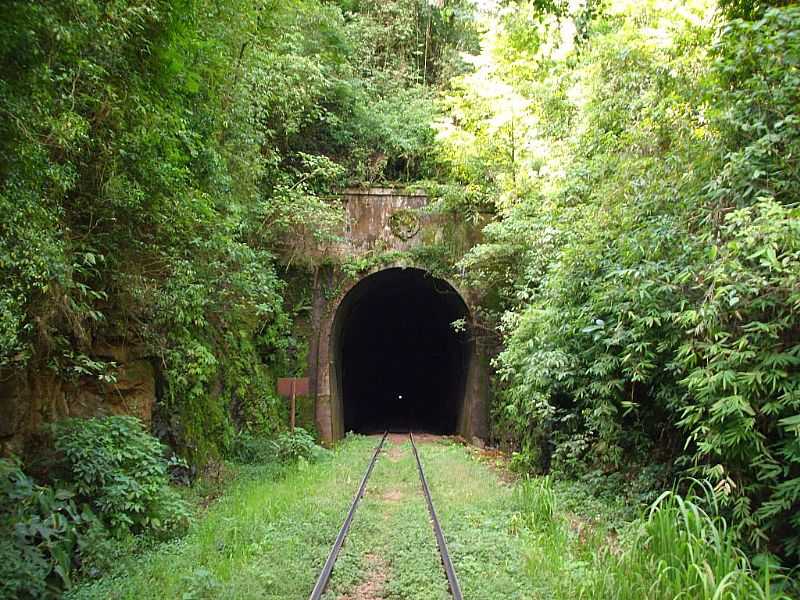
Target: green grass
x=681, y=551
x=265, y=538
x=268, y=538
x=476, y=510
x=675, y=550
x=391, y=544
x=269, y=534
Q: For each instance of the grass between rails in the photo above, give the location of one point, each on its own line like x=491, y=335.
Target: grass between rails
x=391, y=551
x=269, y=534
x=268, y=537
x=475, y=508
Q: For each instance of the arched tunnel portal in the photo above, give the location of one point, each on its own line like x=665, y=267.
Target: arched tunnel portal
x=397, y=360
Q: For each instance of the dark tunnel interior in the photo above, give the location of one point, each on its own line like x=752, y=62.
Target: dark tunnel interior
x=399, y=361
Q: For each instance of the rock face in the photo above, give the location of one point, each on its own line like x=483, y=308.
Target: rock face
x=31, y=399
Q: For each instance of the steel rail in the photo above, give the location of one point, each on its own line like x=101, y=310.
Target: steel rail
x=325, y=574
x=455, y=588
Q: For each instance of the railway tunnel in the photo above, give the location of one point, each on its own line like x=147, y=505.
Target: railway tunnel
x=398, y=361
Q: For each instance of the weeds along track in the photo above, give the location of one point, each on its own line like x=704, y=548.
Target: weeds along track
x=327, y=569
x=452, y=580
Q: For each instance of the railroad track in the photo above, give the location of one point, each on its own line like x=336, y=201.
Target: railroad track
x=327, y=569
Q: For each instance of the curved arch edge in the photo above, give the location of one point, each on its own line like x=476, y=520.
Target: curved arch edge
x=472, y=417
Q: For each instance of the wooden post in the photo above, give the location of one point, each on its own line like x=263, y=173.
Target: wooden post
x=292, y=407
x=291, y=387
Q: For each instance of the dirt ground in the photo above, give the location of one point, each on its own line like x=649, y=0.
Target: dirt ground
x=419, y=438
x=373, y=587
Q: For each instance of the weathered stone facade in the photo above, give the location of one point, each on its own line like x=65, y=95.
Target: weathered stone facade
x=382, y=221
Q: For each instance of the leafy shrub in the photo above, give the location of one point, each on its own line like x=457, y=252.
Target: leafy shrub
x=250, y=448
x=120, y=469
x=286, y=447
x=45, y=536
x=290, y=447
x=741, y=358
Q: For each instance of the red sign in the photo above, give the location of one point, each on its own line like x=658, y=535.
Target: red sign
x=293, y=386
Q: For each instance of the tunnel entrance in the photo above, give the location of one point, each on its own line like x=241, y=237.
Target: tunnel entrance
x=399, y=364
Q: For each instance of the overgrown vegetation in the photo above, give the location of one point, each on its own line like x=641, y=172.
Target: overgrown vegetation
x=121, y=471
x=559, y=540
x=643, y=160
x=636, y=162
x=156, y=156
x=109, y=481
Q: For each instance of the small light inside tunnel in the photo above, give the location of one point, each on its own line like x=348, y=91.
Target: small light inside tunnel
x=393, y=331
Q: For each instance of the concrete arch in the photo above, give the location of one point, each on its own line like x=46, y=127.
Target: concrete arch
x=450, y=397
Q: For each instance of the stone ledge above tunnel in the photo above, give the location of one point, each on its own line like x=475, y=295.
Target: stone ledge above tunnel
x=386, y=220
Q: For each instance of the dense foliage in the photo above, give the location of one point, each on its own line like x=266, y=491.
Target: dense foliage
x=110, y=480
x=154, y=158
x=646, y=253
x=120, y=470
x=45, y=534
x=286, y=448
x=639, y=163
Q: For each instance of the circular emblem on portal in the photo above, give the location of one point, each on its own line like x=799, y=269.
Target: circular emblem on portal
x=404, y=223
